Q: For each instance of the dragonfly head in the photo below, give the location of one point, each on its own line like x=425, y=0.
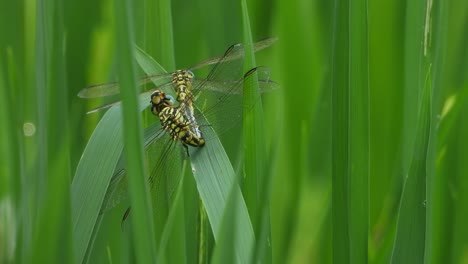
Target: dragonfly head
x=159, y=101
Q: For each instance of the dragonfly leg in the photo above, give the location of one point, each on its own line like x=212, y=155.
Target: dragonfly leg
x=186, y=149
x=124, y=217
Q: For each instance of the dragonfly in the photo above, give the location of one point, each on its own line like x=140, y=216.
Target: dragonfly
x=217, y=98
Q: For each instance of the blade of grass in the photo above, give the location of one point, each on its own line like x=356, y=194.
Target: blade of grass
x=95, y=170
x=358, y=132
x=9, y=167
x=435, y=188
x=158, y=42
x=413, y=75
x=304, y=31
x=457, y=250
x=252, y=127
x=93, y=176
x=172, y=230
x=164, y=36
x=142, y=223
x=386, y=76
x=215, y=176
x=223, y=252
x=409, y=245
x=53, y=224
x=340, y=134
x=254, y=147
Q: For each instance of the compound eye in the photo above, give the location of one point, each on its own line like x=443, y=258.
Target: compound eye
x=157, y=93
x=169, y=99
x=157, y=96
x=155, y=99
x=190, y=74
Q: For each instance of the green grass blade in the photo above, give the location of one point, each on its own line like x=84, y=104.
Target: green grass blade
x=255, y=182
x=10, y=192
x=172, y=229
x=409, y=246
x=52, y=232
x=358, y=132
x=215, y=178
x=223, y=252
x=252, y=125
x=340, y=134
x=414, y=75
x=142, y=213
x=301, y=65
x=435, y=231
x=92, y=177
x=457, y=251
x=163, y=36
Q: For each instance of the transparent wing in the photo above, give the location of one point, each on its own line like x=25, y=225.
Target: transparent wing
x=108, y=89
x=223, y=110
x=235, y=52
x=143, y=97
x=239, y=52
x=161, y=156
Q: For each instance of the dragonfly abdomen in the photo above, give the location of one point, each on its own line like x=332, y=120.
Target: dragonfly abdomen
x=179, y=128
x=182, y=83
x=176, y=120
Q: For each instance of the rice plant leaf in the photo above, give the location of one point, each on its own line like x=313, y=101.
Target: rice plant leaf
x=409, y=246
x=92, y=177
x=340, y=134
x=138, y=186
x=255, y=184
x=358, y=121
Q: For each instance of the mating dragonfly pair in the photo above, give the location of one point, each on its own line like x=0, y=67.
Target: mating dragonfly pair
x=217, y=99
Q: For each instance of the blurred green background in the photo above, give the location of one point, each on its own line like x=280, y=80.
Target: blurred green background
x=366, y=141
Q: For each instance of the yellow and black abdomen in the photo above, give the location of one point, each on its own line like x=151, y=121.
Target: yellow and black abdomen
x=178, y=121
x=180, y=128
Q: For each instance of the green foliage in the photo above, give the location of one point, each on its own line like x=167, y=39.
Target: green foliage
x=359, y=157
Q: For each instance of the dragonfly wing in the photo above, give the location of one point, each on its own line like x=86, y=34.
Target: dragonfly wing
x=239, y=52
x=108, y=89
x=223, y=110
x=265, y=85
x=117, y=191
x=100, y=90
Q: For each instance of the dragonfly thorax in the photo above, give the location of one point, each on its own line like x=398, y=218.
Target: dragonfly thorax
x=159, y=101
